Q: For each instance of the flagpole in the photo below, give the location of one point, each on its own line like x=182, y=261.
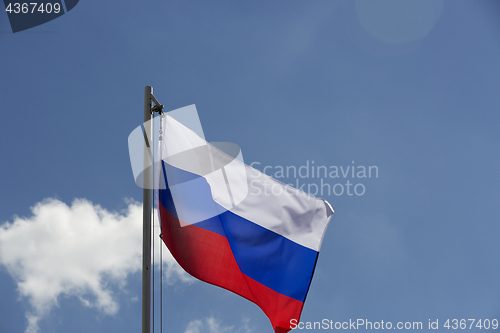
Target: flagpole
x=146, y=212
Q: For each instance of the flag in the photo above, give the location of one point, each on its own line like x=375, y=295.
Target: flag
x=232, y=226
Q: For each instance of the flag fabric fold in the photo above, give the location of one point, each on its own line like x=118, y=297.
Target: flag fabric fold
x=232, y=226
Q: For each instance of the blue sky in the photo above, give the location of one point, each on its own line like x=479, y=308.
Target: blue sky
x=408, y=86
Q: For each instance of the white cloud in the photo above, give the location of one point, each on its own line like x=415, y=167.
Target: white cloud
x=79, y=250
x=194, y=326
x=212, y=325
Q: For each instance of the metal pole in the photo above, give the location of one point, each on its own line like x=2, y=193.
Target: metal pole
x=146, y=209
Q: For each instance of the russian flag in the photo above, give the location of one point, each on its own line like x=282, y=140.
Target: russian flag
x=232, y=226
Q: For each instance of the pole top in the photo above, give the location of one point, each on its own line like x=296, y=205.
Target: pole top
x=157, y=107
